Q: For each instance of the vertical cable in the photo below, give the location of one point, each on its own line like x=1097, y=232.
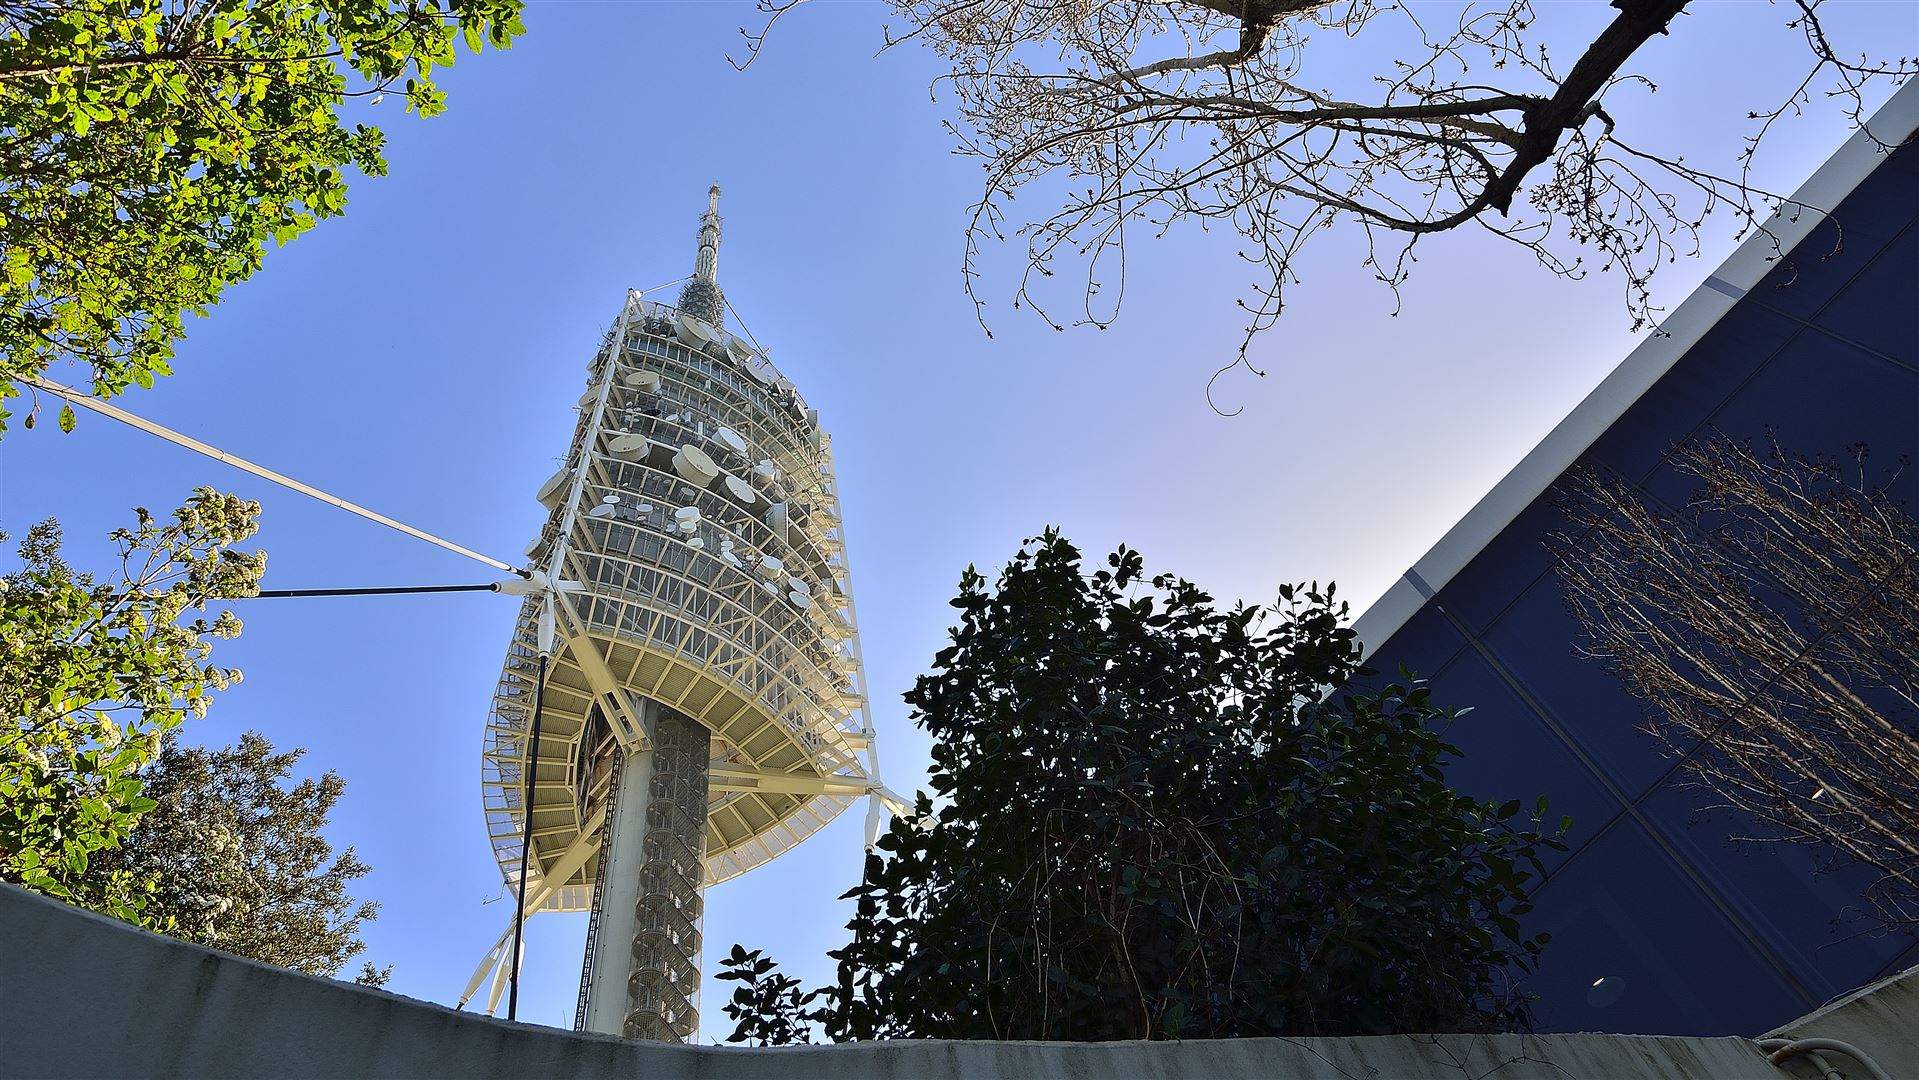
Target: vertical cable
x=526, y=844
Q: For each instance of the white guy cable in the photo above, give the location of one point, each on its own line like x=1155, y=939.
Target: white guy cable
x=88, y=402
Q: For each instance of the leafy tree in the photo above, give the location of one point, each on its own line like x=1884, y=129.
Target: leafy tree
x=1152, y=818
x=151, y=149
x=373, y=976
x=237, y=860
x=1283, y=120
x=1771, y=628
x=94, y=673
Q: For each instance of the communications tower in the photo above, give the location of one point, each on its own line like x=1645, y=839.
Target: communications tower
x=704, y=707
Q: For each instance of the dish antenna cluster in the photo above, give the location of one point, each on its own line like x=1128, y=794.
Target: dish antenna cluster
x=683, y=698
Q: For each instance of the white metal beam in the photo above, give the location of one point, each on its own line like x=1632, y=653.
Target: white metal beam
x=735, y=778
x=592, y=663
x=564, y=866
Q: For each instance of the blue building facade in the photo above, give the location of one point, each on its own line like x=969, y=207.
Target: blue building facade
x=1661, y=922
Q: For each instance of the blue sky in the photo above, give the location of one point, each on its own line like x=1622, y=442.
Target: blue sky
x=422, y=356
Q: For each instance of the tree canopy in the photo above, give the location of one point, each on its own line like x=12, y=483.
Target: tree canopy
x=101, y=805
x=1151, y=817
x=94, y=673
x=233, y=856
x=151, y=150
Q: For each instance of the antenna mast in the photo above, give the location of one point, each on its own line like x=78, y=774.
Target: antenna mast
x=702, y=298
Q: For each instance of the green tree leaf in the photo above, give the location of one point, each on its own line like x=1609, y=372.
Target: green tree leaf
x=135, y=194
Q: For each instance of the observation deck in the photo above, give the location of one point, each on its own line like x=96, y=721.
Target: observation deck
x=698, y=512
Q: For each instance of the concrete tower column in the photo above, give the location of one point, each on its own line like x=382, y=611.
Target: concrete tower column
x=646, y=965
x=620, y=861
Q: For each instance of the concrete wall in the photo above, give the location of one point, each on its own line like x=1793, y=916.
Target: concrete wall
x=1881, y=1018
x=82, y=996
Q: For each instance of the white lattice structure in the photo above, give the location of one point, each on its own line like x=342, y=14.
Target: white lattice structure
x=695, y=528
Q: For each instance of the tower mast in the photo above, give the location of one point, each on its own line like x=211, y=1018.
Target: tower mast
x=701, y=297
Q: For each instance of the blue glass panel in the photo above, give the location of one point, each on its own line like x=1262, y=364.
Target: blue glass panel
x=1423, y=646
x=1698, y=383
x=1821, y=264
x=1803, y=901
x=1889, y=192
x=1504, y=568
x=1539, y=642
x=1638, y=949
x=1820, y=396
x=1904, y=960
x=1511, y=754
x=1877, y=309
x=1788, y=617
x=1905, y=159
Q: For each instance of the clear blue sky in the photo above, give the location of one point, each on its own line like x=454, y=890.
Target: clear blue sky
x=422, y=356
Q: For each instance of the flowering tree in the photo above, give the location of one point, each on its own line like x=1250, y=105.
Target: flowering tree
x=94, y=673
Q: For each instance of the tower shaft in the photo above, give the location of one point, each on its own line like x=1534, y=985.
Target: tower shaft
x=646, y=964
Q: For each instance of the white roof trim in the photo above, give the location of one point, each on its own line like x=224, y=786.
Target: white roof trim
x=1893, y=124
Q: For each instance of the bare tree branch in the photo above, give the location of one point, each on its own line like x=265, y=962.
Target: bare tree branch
x=1153, y=113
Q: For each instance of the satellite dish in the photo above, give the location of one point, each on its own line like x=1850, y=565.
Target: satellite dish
x=642, y=380
x=554, y=488
x=629, y=447
x=603, y=510
x=799, y=598
x=772, y=567
x=694, y=332
x=741, y=491
x=731, y=438
x=694, y=466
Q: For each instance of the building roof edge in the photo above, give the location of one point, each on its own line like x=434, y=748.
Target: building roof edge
x=1892, y=124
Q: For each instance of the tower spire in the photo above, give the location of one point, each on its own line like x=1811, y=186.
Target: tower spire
x=701, y=297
